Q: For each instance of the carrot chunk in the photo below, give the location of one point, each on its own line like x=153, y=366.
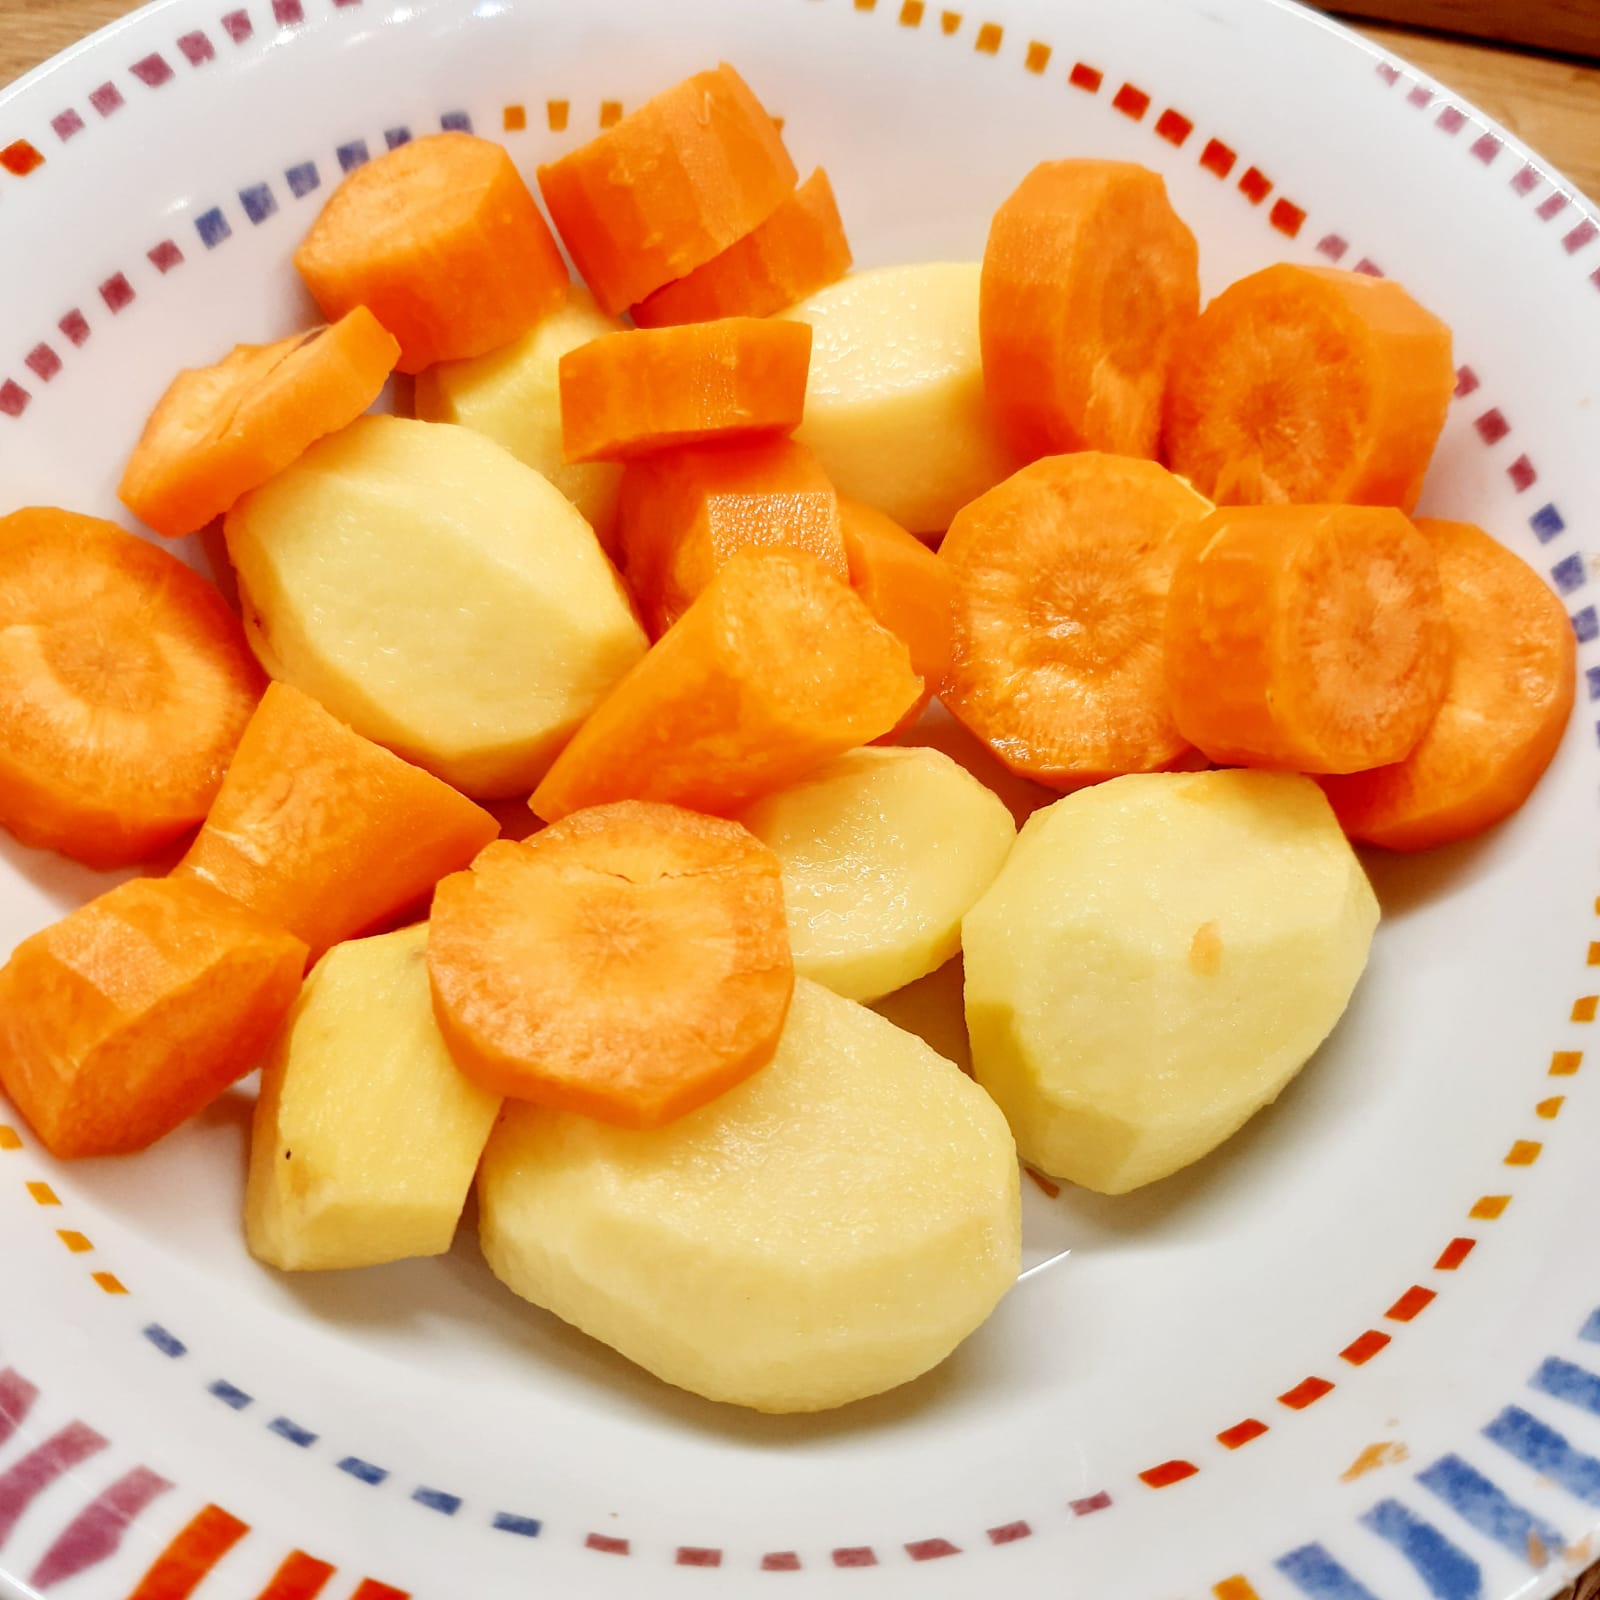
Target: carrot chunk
x=219, y=432
x=682, y=514
x=1090, y=279
x=1511, y=685
x=799, y=249
x=132, y=1013
x=626, y=394
x=776, y=668
x=629, y=963
x=443, y=242
x=1306, y=637
x=125, y=683
x=668, y=187
x=324, y=832
x=1309, y=385
x=1062, y=574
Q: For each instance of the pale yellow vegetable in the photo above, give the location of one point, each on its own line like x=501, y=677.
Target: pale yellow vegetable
x=1157, y=959
x=366, y=1136
x=437, y=595
x=884, y=850
x=894, y=403
x=830, y=1228
x=512, y=396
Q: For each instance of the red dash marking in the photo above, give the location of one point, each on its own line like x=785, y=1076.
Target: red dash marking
x=43, y=362
x=855, y=1555
x=1583, y=1010
x=301, y=1577
x=1454, y=1254
x=1552, y=205
x=10, y=1139
x=110, y=1282
x=1168, y=1473
x=1492, y=427
x=1038, y=56
x=1095, y=1502
x=1131, y=102
x=1451, y=120
x=989, y=36
x=25, y=1480
x=1466, y=382
x=1287, y=217
x=1241, y=1433
x=1411, y=1304
x=1048, y=1185
x=1522, y=474
x=106, y=99
x=693, y=1555
x=604, y=1543
x=950, y=21
x=1389, y=73
x=1485, y=148
x=1255, y=185
x=1527, y=178
x=1332, y=246
x=197, y=48
x=1367, y=265
x=117, y=292
x=95, y=1534
x=1305, y=1393
x=1217, y=158
x=16, y=1401
x=1173, y=126
x=370, y=1588
x=780, y=1561
x=165, y=256
x=1363, y=1348
x=20, y=158
x=238, y=27
x=152, y=70
x=1009, y=1533
x=1490, y=1208
x=1551, y=1108
x=931, y=1549
x=13, y=399
x=1419, y=96
x=1085, y=77
x=75, y=326
x=66, y=124
x=288, y=13
x=1572, y=242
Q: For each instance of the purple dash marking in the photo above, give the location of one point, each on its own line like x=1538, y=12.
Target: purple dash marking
x=13, y=398
x=259, y=202
x=1485, y=148
x=694, y=1555
x=66, y=123
x=95, y=1534
x=352, y=155
x=1332, y=246
x=212, y=227
x=197, y=48
x=152, y=70
x=117, y=292
x=1569, y=573
x=395, y=137
x=238, y=26
x=1367, y=265
x=1009, y=1533
x=1590, y=1331
x=456, y=122
x=1522, y=475
x=21, y=1483
x=76, y=327
x=1552, y=205
x=1585, y=626
x=169, y=1344
x=16, y=1401
x=1487, y=1508
x=43, y=362
x=1547, y=1452
x=343, y=3
x=363, y=1470
x=1449, y=1573
x=1419, y=96
x=1095, y=1502
x=231, y=1395
x=1547, y=522
x=781, y=1561
x=288, y=13
x=302, y=179
x=1527, y=178
x=1450, y=120
x=1579, y=236
x=1565, y=1380
x=1492, y=427
x=931, y=1549
x=165, y=256
x=437, y=1500
x=293, y=1432
x=1389, y=73
x=106, y=99
x=1593, y=676
x=855, y=1555
x=509, y=1522
x=1314, y=1572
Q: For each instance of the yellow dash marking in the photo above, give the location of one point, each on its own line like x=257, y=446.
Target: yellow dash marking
x=74, y=1241
x=514, y=119
x=1523, y=1153
x=949, y=20
x=989, y=37
x=866, y=5
x=1583, y=1009
x=555, y=112
x=1551, y=1109
x=10, y=1139
x=43, y=1194
x=911, y=14
x=1038, y=57
x=1234, y=1588
x=1594, y=953
x=1563, y=1063
x=1490, y=1207
x=610, y=113
x=110, y=1282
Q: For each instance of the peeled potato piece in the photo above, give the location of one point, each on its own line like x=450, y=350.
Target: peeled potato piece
x=1157, y=959
x=884, y=850
x=832, y=1227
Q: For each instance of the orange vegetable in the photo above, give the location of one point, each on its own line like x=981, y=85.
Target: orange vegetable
x=443, y=242
x=668, y=187
x=1510, y=690
x=629, y=963
x=799, y=249
x=1089, y=280
x=326, y=833
x=626, y=394
x=682, y=514
x=773, y=670
x=1311, y=386
x=132, y=1013
x=1306, y=637
x=125, y=683
x=1061, y=575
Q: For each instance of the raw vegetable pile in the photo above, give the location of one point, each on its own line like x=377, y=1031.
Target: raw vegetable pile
x=709, y=588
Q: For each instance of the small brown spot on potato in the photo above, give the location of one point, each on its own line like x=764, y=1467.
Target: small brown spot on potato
x=1205, y=950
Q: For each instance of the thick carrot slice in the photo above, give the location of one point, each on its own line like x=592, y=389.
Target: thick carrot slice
x=1089, y=280
x=629, y=963
x=132, y=1013
x=1306, y=637
x=443, y=242
x=1512, y=679
x=326, y=833
x=219, y=432
x=682, y=514
x=1308, y=385
x=1062, y=574
x=773, y=670
x=125, y=683
x=799, y=249
x=668, y=187
x=627, y=394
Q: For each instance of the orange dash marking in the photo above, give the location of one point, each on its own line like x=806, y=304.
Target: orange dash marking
x=1594, y=954
x=989, y=37
x=1305, y=1393
x=1583, y=1009
x=371, y=1589
x=74, y=1241
x=301, y=1577
x=514, y=119
x=1411, y=1304
x=610, y=113
x=1454, y=1254
x=10, y=1139
x=950, y=21
x=20, y=158
x=555, y=113
x=1038, y=57
x=110, y=1282
x=43, y=1194
x=1523, y=1153
x=911, y=14
x=183, y=1566
x=1551, y=1108
x=1364, y=1347
x=1563, y=1063
x=1168, y=1473
x=1234, y=1588
x=1490, y=1207
x=1241, y=1433
x=1085, y=77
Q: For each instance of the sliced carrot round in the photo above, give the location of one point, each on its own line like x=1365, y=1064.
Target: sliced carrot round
x=668, y=187
x=125, y=684
x=627, y=394
x=1090, y=278
x=630, y=963
x=1061, y=576
x=799, y=249
x=1307, y=637
x=1309, y=385
x=1512, y=679
x=221, y=431
x=442, y=240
